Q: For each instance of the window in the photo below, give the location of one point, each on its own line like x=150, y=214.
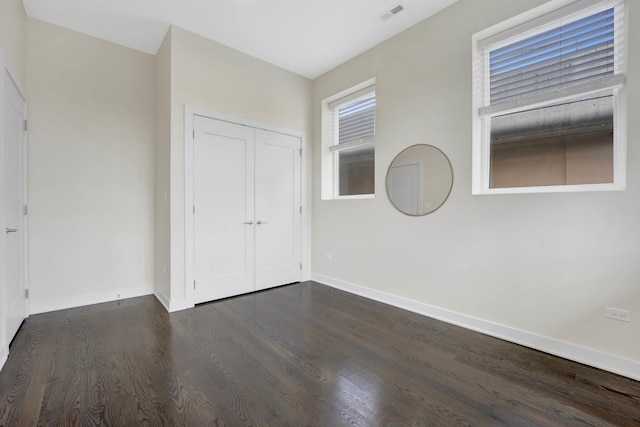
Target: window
x=349, y=143
x=549, y=102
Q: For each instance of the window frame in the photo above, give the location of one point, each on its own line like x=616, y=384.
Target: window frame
x=518, y=28
x=330, y=179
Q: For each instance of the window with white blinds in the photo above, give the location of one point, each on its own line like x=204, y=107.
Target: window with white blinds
x=353, y=119
x=569, y=55
x=548, y=88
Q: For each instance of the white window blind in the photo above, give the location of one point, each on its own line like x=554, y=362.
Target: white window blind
x=354, y=120
x=562, y=57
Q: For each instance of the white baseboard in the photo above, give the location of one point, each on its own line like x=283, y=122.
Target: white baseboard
x=54, y=304
x=170, y=305
x=177, y=305
x=3, y=355
x=160, y=296
x=586, y=356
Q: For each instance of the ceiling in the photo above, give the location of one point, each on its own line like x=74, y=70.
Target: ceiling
x=307, y=37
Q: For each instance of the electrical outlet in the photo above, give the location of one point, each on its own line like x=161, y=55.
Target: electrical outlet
x=617, y=314
x=328, y=257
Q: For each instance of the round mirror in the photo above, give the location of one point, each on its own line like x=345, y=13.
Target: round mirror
x=419, y=180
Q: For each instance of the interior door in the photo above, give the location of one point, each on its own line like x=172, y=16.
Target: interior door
x=404, y=184
x=13, y=228
x=278, y=209
x=223, y=209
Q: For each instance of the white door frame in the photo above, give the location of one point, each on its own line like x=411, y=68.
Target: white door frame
x=6, y=70
x=189, y=113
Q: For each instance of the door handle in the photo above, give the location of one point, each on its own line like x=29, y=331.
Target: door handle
x=249, y=222
x=261, y=222
x=11, y=230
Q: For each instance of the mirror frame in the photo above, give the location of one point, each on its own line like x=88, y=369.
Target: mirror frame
x=448, y=192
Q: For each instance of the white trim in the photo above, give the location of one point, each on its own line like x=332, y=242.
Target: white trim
x=163, y=299
x=576, y=353
x=354, y=197
x=178, y=305
x=6, y=68
x=3, y=356
x=189, y=112
x=305, y=200
x=353, y=97
x=570, y=12
x=368, y=141
x=578, y=188
x=189, y=274
x=55, y=304
x=170, y=305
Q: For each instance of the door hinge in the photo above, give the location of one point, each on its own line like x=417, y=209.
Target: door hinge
x=194, y=209
x=26, y=293
x=194, y=284
x=194, y=134
x=25, y=126
x=300, y=209
x=300, y=266
x=300, y=152
x=26, y=210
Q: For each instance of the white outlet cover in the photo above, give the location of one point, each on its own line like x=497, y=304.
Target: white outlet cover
x=617, y=314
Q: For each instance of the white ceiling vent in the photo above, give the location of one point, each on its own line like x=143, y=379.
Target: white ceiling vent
x=391, y=12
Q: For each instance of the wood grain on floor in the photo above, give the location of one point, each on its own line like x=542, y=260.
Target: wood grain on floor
x=299, y=355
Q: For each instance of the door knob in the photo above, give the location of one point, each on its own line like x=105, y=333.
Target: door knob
x=249, y=222
x=11, y=230
x=261, y=222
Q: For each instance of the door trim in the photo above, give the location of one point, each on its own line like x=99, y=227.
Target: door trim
x=7, y=70
x=189, y=113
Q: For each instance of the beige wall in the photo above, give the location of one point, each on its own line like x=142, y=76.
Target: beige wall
x=162, y=169
x=546, y=264
x=208, y=75
x=91, y=180
x=13, y=36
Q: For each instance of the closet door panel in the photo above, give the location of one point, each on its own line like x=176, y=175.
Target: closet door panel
x=277, y=209
x=224, y=205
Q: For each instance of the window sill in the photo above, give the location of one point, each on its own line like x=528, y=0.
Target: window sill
x=355, y=197
x=551, y=189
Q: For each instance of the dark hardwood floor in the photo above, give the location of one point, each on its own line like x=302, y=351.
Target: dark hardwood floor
x=299, y=355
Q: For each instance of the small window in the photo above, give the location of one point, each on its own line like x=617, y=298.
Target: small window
x=349, y=143
x=549, y=103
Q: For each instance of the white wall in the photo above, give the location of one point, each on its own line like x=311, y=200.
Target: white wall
x=91, y=163
x=162, y=171
x=211, y=76
x=542, y=264
x=13, y=36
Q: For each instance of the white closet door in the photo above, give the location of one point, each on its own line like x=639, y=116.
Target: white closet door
x=224, y=207
x=278, y=217
x=13, y=172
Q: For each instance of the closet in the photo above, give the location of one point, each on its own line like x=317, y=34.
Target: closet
x=247, y=209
